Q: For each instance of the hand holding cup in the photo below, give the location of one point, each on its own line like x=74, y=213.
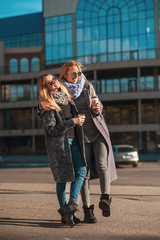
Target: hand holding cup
x=81, y=117
x=95, y=104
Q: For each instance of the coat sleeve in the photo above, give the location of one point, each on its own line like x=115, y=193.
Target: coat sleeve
x=55, y=127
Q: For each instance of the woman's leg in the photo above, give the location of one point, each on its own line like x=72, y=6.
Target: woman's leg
x=101, y=155
x=85, y=190
x=80, y=171
x=89, y=216
x=61, y=193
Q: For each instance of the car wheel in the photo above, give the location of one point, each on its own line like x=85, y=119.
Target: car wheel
x=134, y=164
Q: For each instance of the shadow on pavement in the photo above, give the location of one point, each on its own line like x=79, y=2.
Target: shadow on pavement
x=32, y=223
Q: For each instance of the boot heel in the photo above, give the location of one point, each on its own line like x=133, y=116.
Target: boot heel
x=104, y=205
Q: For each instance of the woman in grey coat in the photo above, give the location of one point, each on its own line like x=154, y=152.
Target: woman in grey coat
x=63, y=137
x=97, y=140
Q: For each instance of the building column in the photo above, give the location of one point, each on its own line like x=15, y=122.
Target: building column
x=156, y=14
x=140, y=142
x=95, y=79
x=33, y=117
x=138, y=79
x=156, y=111
x=2, y=65
x=140, y=122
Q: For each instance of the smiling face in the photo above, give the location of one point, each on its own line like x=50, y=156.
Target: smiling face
x=73, y=74
x=51, y=82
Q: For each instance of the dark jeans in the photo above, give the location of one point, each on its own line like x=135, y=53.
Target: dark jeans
x=80, y=173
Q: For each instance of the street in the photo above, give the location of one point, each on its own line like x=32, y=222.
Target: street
x=28, y=207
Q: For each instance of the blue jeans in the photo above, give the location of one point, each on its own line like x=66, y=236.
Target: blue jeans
x=80, y=174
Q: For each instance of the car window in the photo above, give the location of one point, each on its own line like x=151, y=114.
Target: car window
x=126, y=149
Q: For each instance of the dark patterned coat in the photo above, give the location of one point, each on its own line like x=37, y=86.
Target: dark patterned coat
x=57, y=145
x=100, y=124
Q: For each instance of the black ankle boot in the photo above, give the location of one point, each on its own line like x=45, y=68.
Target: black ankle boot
x=75, y=219
x=89, y=214
x=67, y=212
x=104, y=205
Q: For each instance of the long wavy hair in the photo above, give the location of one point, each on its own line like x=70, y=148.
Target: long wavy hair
x=45, y=95
x=67, y=65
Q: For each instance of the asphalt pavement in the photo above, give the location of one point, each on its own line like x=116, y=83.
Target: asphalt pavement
x=28, y=206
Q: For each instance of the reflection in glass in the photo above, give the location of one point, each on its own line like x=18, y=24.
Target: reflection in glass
x=59, y=46
x=126, y=27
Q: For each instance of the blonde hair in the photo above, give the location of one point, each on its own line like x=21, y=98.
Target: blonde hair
x=67, y=65
x=46, y=97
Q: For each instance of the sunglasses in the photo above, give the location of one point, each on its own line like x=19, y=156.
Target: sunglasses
x=74, y=74
x=54, y=79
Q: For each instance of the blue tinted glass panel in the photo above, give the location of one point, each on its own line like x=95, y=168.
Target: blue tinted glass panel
x=95, y=47
x=150, y=41
x=125, y=44
x=79, y=35
x=142, y=42
x=69, y=51
x=61, y=37
x=117, y=45
x=48, y=53
x=133, y=27
x=69, y=25
x=55, y=52
x=13, y=65
x=94, y=32
x=134, y=43
x=69, y=18
x=69, y=36
x=109, y=86
x=103, y=86
x=102, y=31
x=125, y=29
x=142, y=27
x=110, y=31
x=102, y=46
x=124, y=85
x=87, y=48
x=55, y=37
x=116, y=85
x=62, y=51
x=87, y=34
x=150, y=25
x=149, y=82
x=80, y=49
x=117, y=29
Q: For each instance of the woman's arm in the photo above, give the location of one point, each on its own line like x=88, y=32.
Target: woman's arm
x=54, y=127
x=92, y=95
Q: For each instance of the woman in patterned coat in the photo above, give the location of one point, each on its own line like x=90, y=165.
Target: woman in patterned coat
x=63, y=137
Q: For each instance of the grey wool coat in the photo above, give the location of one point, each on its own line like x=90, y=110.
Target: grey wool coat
x=98, y=119
x=57, y=145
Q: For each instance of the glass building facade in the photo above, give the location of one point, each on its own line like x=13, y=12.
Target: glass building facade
x=26, y=40
x=105, y=31
x=58, y=39
x=118, y=41
x=115, y=30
